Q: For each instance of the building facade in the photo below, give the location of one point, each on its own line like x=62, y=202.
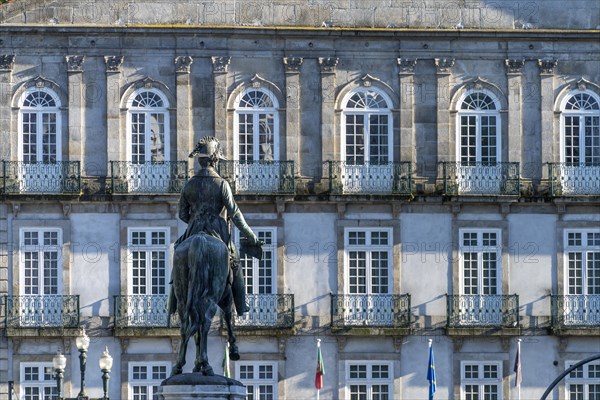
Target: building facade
x=416, y=170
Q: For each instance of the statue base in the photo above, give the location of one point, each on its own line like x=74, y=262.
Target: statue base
x=197, y=386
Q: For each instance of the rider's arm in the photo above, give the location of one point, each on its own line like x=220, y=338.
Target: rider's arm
x=236, y=215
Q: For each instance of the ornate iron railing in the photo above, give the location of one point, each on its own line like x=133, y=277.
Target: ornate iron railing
x=502, y=178
x=370, y=310
x=143, y=310
x=148, y=177
x=568, y=179
x=42, y=311
x=259, y=177
x=575, y=311
x=483, y=310
x=41, y=178
x=268, y=311
x=369, y=178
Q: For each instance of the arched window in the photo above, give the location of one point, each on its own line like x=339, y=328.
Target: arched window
x=479, y=129
x=148, y=127
x=366, y=127
x=39, y=124
x=581, y=129
x=256, y=123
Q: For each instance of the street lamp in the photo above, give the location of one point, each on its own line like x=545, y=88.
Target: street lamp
x=106, y=362
x=59, y=362
x=82, y=342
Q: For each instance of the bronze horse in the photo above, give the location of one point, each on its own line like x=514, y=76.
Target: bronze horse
x=199, y=288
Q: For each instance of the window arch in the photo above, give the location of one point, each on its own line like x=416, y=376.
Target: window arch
x=478, y=123
x=148, y=133
x=256, y=126
x=580, y=129
x=39, y=126
x=366, y=127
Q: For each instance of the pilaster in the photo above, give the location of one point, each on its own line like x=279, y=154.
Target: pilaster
x=328, y=66
x=76, y=134
x=185, y=134
x=514, y=69
x=443, y=76
x=220, y=69
x=7, y=62
x=547, y=143
x=406, y=81
x=292, y=111
x=115, y=148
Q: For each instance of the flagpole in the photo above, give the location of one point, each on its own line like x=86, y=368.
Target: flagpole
x=519, y=352
x=318, y=347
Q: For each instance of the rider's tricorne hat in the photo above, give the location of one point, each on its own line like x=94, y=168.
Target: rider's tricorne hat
x=208, y=147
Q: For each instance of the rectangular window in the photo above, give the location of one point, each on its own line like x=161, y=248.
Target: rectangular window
x=582, y=253
x=148, y=251
x=368, y=261
x=261, y=275
x=37, y=381
x=41, y=258
x=583, y=383
x=481, y=380
x=373, y=380
x=260, y=379
x=145, y=379
x=480, y=261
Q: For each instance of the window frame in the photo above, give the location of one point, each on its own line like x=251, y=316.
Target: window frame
x=148, y=383
x=40, y=249
x=582, y=114
x=369, y=381
x=147, y=111
x=257, y=382
x=478, y=137
x=256, y=264
x=585, y=250
x=41, y=384
x=148, y=248
x=255, y=112
x=39, y=111
x=586, y=380
x=480, y=249
x=480, y=381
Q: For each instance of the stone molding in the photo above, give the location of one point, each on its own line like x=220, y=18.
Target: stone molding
x=514, y=66
x=328, y=64
x=220, y=64
x=444, y=65
x=183, y=64
x=407, y=66
x=7, y=62
x=113, y=63
x=292, y=64
x=75, y=63
x=547, y=66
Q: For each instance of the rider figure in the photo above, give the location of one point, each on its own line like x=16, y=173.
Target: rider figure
x=206, y=204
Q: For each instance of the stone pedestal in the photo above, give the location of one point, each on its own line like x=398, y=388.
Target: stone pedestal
x=197, y=386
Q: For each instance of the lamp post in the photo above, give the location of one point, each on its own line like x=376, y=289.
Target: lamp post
x=82, y=342
x=105, y=365
x=59, y=362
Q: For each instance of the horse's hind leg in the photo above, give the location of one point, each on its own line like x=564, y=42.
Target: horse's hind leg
x=202, y=364
x=234, y=353
x=178, y=367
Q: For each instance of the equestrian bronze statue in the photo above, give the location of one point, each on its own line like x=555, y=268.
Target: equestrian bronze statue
x=206, y=268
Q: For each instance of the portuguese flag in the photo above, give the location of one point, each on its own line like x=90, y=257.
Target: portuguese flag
x=320, y=367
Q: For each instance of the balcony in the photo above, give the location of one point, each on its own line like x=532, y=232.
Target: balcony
x=259, y=177
x=481, y=178
x=369, y=178
x=143, y=311
x=351, y=312
x=572, y=180
x=148, y=178
x=483, y=311
x=61, y=177
x=576, y=312
x=267, y=311
x=42, y=311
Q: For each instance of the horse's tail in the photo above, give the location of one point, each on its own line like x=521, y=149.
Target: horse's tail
x=198, y=283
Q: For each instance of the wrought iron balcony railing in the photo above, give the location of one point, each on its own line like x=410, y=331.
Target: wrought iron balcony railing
x=575, y=311
x=259, y=177
x=268, y=311
x=569, y=179
x=143, y=310
x=370, y=310
x=502, y=178
x=148, y=177
x=61, y=177
x=369, y=178
x=473, y=310
x=42, y=311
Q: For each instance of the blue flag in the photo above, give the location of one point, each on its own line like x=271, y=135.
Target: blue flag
x=431, y=373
